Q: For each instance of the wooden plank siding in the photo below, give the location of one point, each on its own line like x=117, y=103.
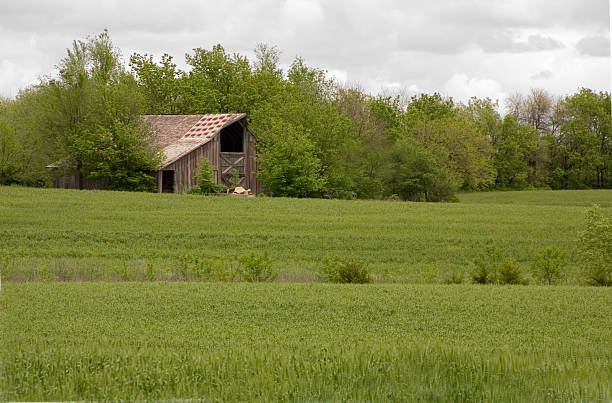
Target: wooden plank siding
x=185, y=167
x=79, y=182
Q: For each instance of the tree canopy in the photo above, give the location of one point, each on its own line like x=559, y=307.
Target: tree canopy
x=316, y=138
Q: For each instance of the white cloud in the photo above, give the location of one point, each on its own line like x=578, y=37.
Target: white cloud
x=303, y=11
x=14, y=77
x=462, y=88
x=598, y=46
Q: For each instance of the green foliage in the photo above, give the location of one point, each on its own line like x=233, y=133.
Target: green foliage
x=548, y=266
x=463, y=149
x=10, y=154
x=493, y=267
x=417, y=175
x=256, y=267
x=205, y=184
x=453, y=277
x=510, y=272
x=235, y=178
x=87, y=120
x=289, y=166
x=336, y=270
x=596, y=246
x=161, y=84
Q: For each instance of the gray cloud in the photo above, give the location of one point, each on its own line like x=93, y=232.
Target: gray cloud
x=594, y=46
x=542, y=75
x=506, y=42
x=471, y=45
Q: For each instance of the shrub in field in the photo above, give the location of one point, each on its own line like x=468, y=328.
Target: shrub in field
x=493, y=268
x=352, y=271
x=596, y=247
x=121, y=272
x=256, y=268
x=548, y=266
x=149, y=272
x=206, y=185
x=453, y=277
x=482, y=274
x=191, y=267
x=485, y=272
x=510, y=272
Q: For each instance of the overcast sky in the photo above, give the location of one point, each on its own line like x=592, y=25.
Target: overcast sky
x=459, y=48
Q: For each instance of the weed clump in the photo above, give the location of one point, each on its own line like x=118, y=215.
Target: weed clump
x=494, y=268
x=352, y=271
x=548, y=266
x=256, y=268
x=453, y=277
x=253, y=267
x=596, y=247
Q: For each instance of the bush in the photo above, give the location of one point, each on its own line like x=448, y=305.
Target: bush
x=205, y=184
x=453, y=277
x=548, y=265
x=337, y=271
x=485, y=266
x=256, y=268
x=596, y=247
x=417, y=174
x=510, y=272
x=493, y=268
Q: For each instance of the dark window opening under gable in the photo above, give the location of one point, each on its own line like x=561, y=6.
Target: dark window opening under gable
x=232, y=138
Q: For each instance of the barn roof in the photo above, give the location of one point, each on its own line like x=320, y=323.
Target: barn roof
x=180, y=134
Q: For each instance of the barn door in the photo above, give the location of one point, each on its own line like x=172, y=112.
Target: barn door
x=229, y=163
x=167, y=182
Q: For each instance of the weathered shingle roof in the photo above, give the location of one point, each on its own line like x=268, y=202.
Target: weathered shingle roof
x=180, y=134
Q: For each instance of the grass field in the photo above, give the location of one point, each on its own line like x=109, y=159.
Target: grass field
x=304, y=342
x=541, y=197
x=54, y=234
x=215, y=341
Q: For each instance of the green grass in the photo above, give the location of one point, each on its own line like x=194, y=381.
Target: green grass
x=541, y=197
x=304, y=342
x=54, y=234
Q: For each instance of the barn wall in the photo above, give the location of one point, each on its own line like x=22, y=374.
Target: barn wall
x=72, y=182
x=185, y=167
x=251, y=164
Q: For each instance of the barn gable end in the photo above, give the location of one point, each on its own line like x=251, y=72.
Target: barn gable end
x=224, y=139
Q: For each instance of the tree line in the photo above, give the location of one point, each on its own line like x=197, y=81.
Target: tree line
x=316, y=138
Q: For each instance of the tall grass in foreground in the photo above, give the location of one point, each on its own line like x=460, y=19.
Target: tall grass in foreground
x=271, y=342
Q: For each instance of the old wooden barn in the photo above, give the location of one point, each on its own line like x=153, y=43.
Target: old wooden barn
x=224, y=139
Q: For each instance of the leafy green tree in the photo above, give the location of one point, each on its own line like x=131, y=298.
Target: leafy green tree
x=417, y=175
x=205, y=184
x=585, y=145
x=514, y=146
x=426, y=107
x=10, y=154
x=94, y=116
x=468, y=153
x=289, y=166
x=160, y=83
x=548, y=265
x=220, y=77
